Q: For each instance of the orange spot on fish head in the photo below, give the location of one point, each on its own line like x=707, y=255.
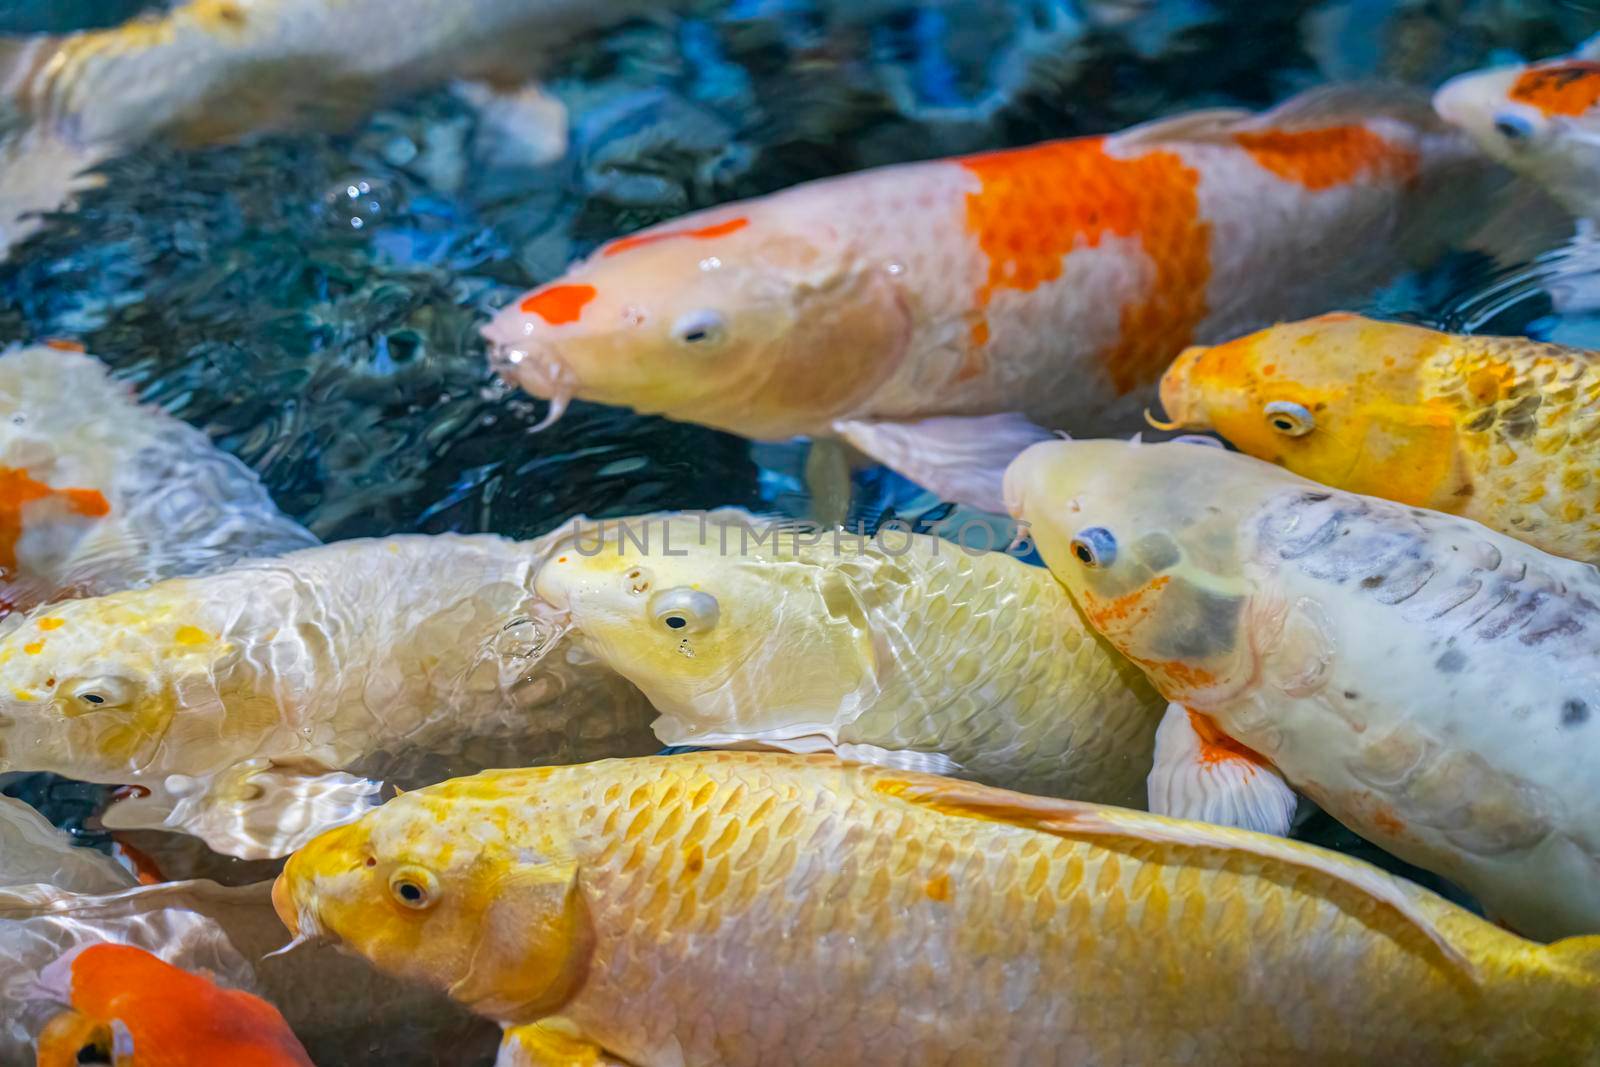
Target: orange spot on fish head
x=21, y=495
x=1335, y=155
x=1570, y=87
x=1035, y=206
x=558, y=304
x=650, y=237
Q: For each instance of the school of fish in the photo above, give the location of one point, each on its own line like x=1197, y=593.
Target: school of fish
x=941, y=803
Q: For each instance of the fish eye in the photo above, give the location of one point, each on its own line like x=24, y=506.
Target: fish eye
x=699, y=328
x=95, y=694
x=684, y=611
x=1289, y=418
x=1095, y=547
x=414, y=888
x=1513, y=127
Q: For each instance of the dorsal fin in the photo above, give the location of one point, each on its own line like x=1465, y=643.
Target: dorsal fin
x=1077, y=820
x=1318, y=108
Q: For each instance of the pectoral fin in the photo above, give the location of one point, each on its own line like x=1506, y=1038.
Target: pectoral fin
x=551, y=1043
x=255, y=810
x=1202, y=774
x=962, y=460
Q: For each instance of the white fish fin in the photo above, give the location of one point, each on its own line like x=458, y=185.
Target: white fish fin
x=1327, y=873
x=521, y=127
x=901, y=759
x=961, y=459
x=1589, y=49
x=550, y=1043
x=1317, y=108
x=40, y=172
x=1194, y=779
x=255, y=810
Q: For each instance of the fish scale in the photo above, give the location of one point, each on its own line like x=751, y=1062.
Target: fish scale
x=847, y=914
x=905, y=643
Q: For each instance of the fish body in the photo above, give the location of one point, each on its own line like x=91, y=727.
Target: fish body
x=901, y=648
x=211, y=71
x=33, y=852
x=99, y=492
x=249, y=703
x=1501, y=430
x=222, y=932
x=1427, y=681
x=845, y=914
x=139, y=1009
x=1055, y=280
x=1540, y=119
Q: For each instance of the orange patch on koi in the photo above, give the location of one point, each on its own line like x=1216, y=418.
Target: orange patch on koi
x=720, y=229
x=144, y=868
x=1037, y=205
x=1321, y=159
x=1119, y=609
x=1387, y=821
x=61, y=344
x=1216, y=746
x=33, y=648
x=1570, y=88
x=172, y=1017
x=17, y=490
x=51, y=623
x=938, y=888
x=559, y=304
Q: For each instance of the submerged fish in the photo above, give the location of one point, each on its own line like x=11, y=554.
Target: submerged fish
x=1502, y=430
x=1056, y=281
x=251, y=705
x=903, y=649
x=845, y=914
x=99, y=492
x=210, y=71
x=209, y=929
x=33, y=852
x=1429, y=682
x=1540, y=119
x=135, y=1008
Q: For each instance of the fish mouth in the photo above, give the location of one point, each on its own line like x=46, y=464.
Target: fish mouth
x=1177, y=400
x=533, y=367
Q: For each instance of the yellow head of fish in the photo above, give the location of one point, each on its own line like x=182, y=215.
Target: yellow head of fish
x=1337, y=398
x=96, y=688
x=721, y=624
x=736, y=318
x=1542, y=121
x=471, y=887
x=1146, y=537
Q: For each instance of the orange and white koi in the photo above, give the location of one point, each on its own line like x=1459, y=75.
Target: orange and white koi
x=99, y=492
x=141, y=1011
x=1393, y=664
x=1054, y=281
x=1540, y=119
x=1501, y=430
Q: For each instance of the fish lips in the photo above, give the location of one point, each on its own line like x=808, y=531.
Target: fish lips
x=532, y=366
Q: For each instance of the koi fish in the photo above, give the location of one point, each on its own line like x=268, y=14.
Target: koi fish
x=1540, y=119
x=217, y=931
x=1392, y=663
x=1501, y=430
x=888, y=307
x=134, y=1008
x=763, y=908
x=99, y=492
x=904, y=649
x=256, y=705
x=210, y=71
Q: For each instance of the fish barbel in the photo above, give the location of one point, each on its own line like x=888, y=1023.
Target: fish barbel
x=745, y=908
x=1394, y=664
x=251, y=706
x=905, y=649
x=1055, y=281
x=100, y=493
x=1502, y=430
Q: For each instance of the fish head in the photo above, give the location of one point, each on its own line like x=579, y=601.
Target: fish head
x=94, y=688
x=1147, y=539
x=1337, y=398
x=470, y=887
x=721, y=623
x=731, y=319
x=1541, y=120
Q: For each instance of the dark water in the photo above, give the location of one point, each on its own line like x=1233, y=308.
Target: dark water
x=312, y=300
